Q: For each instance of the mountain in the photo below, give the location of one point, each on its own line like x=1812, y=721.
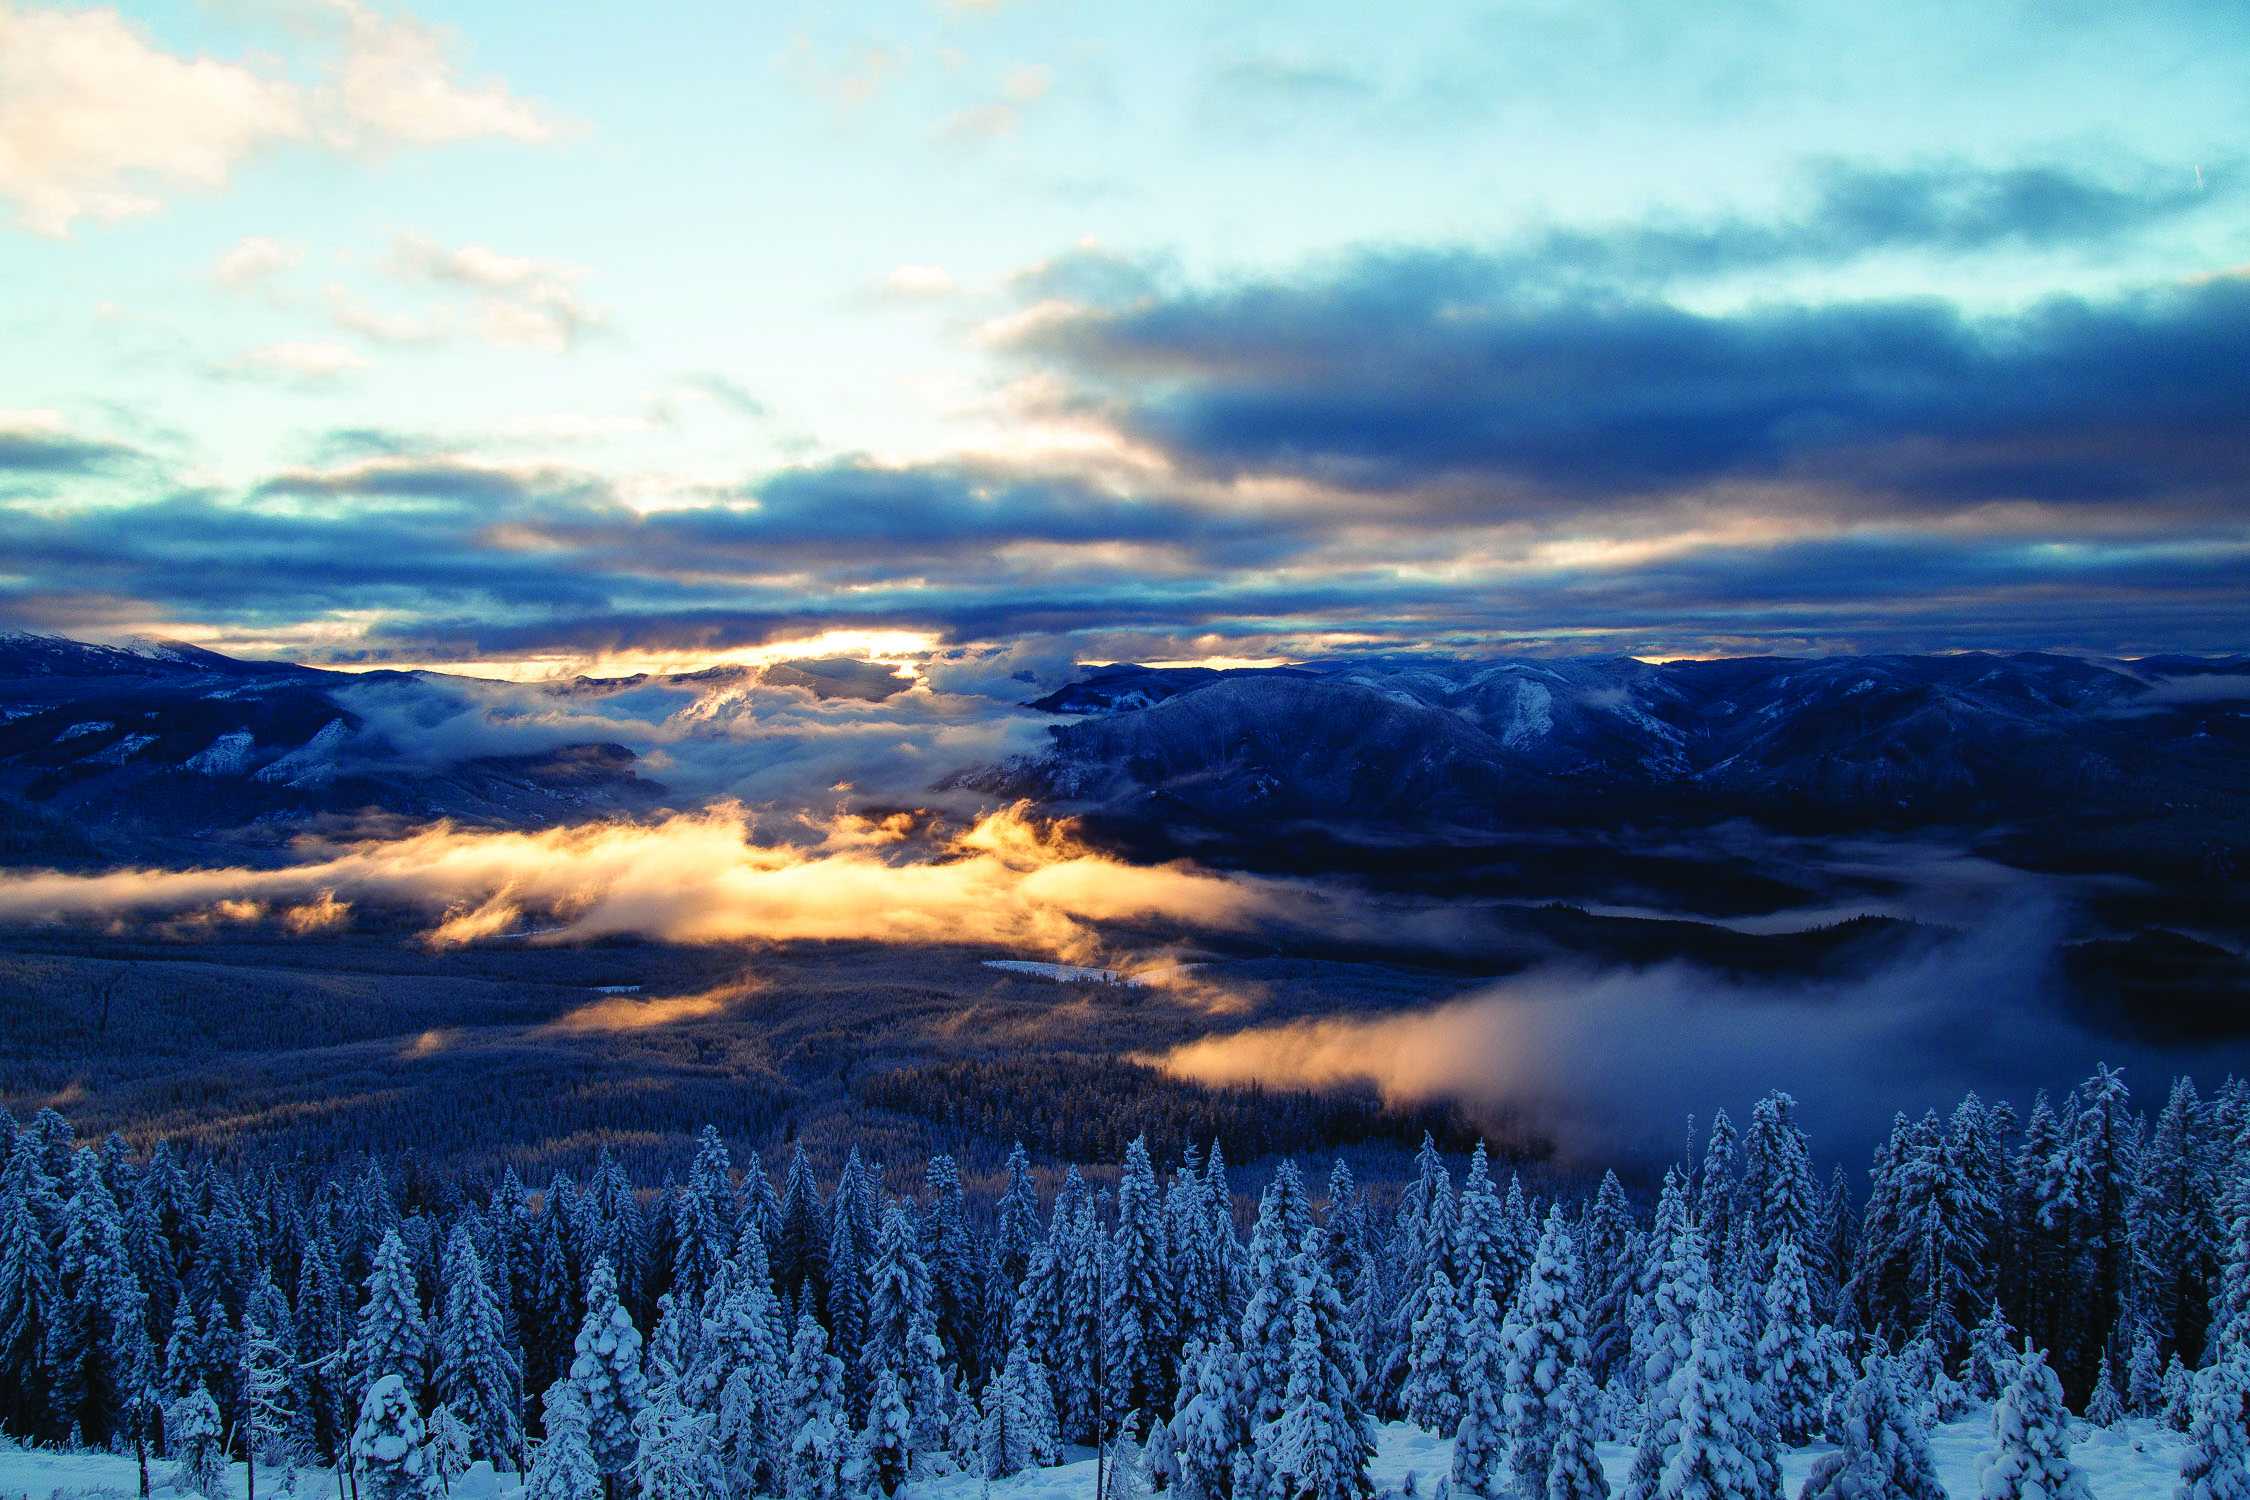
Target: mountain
x=155, y=748
x=2147, y=761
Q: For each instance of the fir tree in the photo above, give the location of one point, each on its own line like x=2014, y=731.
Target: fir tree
x=1018, y=1430
x=1881, y=1449
x=2215, y=1462
x=2105, y=1407
x=193, y=1433
x=1320, y=1445
x=1266, y=1334
x=882, y=1453
x=1574, y=1472
x=606, y=1369
x=1543, y=1340
x=393, y=1339
x=1791, y=1358
x=1211, y=1422
x=1431, y=1397
x=2030, y=1454
x=813, y=1465
x=478, y=1376
x=2144, y=1377
x=563, y=1467
x=676, y=1456
x=2179, y=1396
x=390, y=1454
x=1714, y=1457
x=1480, y=1438
x=1138, y=1292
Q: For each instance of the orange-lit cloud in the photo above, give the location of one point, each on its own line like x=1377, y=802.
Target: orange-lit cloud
x=695, y=879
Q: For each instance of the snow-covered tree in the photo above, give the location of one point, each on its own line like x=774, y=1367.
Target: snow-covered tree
x=393, y=1338
x=1882, y=1452
x=2144, y=1377
x=1792, y=1361
x=1480, y=1439
x=1431, y=1396
x=2030, y=1454
x=2179, y=1396
x=390, y=1453
x=882, y=1453
x=1211, y=1422
x=479, y=1378
x=2215, y=1462
x=563, y=1466
x=1319, y=1446
x=1265, y=1337
x=1138, y=1293
x=819, y=1425
x=2105, y=1407
x=1992, y=1357
x=193, y=1433
x=1574, y=1470
x=606, y=1369
x=1715, y=1456
x=1542, y=1341
x=676, y=1456
x=1018, y=1429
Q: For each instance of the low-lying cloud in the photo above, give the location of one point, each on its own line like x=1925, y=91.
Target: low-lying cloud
x=697, y=879
x=1611, y=1062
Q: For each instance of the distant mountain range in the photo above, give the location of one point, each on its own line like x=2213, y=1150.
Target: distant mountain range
x=156, y=748
x=2142, y=764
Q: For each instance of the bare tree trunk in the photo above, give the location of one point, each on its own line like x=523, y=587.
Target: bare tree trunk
x=140, y=1452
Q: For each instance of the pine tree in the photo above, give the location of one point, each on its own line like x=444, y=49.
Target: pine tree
x=813, y=1466
x=2144, y=1377
x=1714, y=1457
x=1575, y=1470
x=676, y=1456
x=2179, y=1396
x=478, y=1376
x=2030, y=1454
x=1543, y=1340
x=1210, y=1422
x=1018, y=1430
x=1137, y=1311
x=1431, y=1397
x=563, y=1466
x=1791, y=1359
x=390, y=1454
x=2105, y=1408
x=393, y=1339
x=2215, y=1462
x=1881, y=1450
x=882, y=1454
x=1266, y=1335
x=1320, y=1445
x=606, y=1369
x=1480, y=1438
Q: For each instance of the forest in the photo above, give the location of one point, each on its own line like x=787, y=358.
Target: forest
x=721, y=1335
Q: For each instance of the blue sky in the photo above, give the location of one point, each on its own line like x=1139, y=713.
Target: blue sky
x=1060, y=332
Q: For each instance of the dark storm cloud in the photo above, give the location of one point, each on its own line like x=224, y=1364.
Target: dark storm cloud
x=1420, y=372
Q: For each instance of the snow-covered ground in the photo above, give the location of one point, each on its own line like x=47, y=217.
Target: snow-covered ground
x=2137, y=1461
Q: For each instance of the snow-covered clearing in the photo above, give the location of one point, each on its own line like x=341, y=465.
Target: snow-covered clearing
x=1061, y=973
x=2139, y=1460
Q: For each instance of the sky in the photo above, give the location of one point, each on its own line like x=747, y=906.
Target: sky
x=1028, y=333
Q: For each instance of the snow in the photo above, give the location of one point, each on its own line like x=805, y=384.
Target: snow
x=1061, y=973
x=228, y=755
x=90, y=726
x=2140, y=1460
x=121, y=751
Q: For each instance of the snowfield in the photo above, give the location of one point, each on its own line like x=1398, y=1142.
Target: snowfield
x=2138, y=1460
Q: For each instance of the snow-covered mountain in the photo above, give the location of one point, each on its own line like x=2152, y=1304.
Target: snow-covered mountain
x=143, y=750
x=1831, y=743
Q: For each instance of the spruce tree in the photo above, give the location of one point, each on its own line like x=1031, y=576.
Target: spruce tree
x=606, y=1369
x=676, y=1455
x=1574, y=1472
x=1881, y=1449
x=1018, y=1430
x=1432, y=1395
x=193, y=1434
x=882, y=1453
x=390, y=1453
x=2215, y=1462
x=1714, y=1456
x=1265, y=1337
x=2030, y=1454
x=1543, y=1340
x=562, y=1467
x=478, y=1376
x=1137, y=1314
x=1792, y=1364
x=1480, y=1438
x=2105, y=1407
x=813, y=1464
x=1319, y=1446
x=393, y=1339
x=1211, y=1422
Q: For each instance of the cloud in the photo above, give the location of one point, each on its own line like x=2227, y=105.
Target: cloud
x=1438, y=375
x=307, y=362
x=42, y=442
x=519, y=302
x=255, y=259
x=1611, y=1062
x=918, y=283
x=98, y=122
x=702, y=879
